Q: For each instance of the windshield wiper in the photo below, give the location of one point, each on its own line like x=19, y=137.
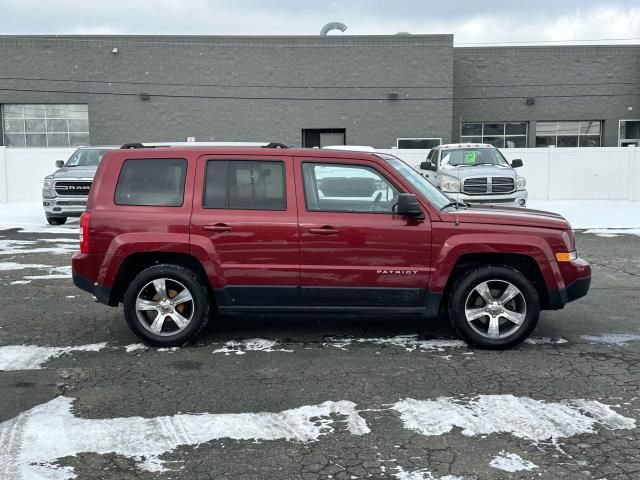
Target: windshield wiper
x=455, y=204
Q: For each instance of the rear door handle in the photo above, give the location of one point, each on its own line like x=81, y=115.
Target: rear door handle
x=218, y=227
x=324, y=231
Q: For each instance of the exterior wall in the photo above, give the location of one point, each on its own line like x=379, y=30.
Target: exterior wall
x=568, y=83
x=330, y=73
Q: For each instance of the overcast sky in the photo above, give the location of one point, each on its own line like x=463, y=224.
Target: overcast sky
x=471, y=21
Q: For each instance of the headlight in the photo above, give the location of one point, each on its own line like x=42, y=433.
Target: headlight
x=48, y=183
x=450, y=184
x=521, y=183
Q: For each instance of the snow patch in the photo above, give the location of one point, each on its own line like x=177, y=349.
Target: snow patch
x=402, y=474
x=612, y=338
x=410, y=343
x=251, y=345
x=31, y=357
x=21, y=247
x=511, y=462
x=55, y=272
x=37, y=438
x=6, y=266
x=20, y=282
x=546, y=341
x=134, y=347
x=526, y=418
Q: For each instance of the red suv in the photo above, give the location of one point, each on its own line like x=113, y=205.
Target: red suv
x=175, y=233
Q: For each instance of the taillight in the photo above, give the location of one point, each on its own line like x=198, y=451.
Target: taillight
x=84, y=232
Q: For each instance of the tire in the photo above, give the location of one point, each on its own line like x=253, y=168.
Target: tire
x=475, y=319
x=182, y=320
x=56, y=220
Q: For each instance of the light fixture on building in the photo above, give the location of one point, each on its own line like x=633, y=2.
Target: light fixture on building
x=531, y=101
x=145, y=96
x=394, y=95
x=115, y=50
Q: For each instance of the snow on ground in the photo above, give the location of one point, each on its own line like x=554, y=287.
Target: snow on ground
x=401, y=474
x=511, y=462
x=590, y=214
x=526, y=418
x=612, y=338
x=251, y=345
x=31, y=357
x=30, y=218
x=134, y=347
x=34, y=440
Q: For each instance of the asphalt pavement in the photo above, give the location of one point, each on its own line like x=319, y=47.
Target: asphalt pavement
x=290, y=397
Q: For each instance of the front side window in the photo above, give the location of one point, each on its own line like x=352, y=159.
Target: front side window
x=45, y=125
x=569, y=134
x=152, y=182
x=498, y=134
x=245, y=185
x=347, y=188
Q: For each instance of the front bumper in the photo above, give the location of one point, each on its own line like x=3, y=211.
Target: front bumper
x=515, y=199
x=577, y=280
x=64, y=207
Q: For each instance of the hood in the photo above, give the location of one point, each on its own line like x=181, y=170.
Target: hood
x=75, y=172
x=463, y=172
x=524, y=217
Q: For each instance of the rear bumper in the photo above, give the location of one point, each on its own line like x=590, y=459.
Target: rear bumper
x=102, y=294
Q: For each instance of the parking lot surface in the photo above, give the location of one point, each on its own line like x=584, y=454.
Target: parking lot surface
x=286, y=397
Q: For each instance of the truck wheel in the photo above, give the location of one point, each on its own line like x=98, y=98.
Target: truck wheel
x=56, y=220
x=166, y=305
x=494, y=307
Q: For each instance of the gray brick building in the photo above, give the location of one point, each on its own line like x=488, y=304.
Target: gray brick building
x=364, y=90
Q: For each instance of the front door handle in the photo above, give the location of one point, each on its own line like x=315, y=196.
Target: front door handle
x=218, y=227
x=326, y=230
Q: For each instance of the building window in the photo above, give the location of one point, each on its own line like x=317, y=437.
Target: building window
x=498, y=134
x=418, y=143
x=569, y=134
x=323, y=137
x=45, y=125
x=629, y=133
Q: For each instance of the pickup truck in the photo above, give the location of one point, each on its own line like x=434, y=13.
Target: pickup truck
x=180, y=234
x=476, y=174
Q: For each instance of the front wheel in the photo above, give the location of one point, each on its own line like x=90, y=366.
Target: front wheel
x=494, y=307
x=166, y=305
x=56, y=220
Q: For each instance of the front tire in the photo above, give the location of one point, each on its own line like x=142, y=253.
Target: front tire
x=494, y=307
x=56, y=220
x=166, y=305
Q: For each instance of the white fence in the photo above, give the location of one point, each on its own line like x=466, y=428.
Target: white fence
x=552, y=173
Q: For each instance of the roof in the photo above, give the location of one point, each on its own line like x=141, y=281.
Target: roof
x=465, y=145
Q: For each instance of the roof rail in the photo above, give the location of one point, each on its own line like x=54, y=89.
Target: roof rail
x=276, y=145
x=128, y=146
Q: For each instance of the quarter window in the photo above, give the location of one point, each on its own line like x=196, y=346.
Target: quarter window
x=245, y=185
x=569, y=134
x=152, y=182
x=347, y=188
x=498, y=134
x=45, y=125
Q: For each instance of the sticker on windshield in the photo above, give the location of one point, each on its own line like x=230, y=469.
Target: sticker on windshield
x=470, y=157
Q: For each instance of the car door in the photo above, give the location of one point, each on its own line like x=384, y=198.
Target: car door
x=354, y=251
x=245, y=215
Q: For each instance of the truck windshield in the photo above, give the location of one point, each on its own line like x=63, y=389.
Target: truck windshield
x=472, y=156
x=417, y=181
x=86, y=157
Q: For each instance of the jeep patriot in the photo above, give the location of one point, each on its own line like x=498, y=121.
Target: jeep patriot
x=178, y=233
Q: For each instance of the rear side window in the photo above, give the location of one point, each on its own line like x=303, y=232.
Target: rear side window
x=152, y=182
x=245, y=185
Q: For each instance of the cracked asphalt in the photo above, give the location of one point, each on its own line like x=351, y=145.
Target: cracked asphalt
x=148, y=383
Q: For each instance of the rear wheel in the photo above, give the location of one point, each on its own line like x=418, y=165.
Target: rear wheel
x=494, y=307
x=166, y=305
x=56, y=220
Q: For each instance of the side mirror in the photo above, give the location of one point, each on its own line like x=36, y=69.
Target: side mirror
x=517, y=163
x=408, y=205
x=59, y=163
x=427, y=166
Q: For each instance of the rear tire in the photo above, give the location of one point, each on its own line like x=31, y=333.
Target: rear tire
x=166, y=305
x=56, y=220
x=494, y=307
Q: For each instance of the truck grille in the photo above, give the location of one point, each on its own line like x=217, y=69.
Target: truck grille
x=482, y=185
x=73, y=187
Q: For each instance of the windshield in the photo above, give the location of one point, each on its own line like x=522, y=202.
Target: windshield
x=417, y=181
x=86, y=157
x=472, y=156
